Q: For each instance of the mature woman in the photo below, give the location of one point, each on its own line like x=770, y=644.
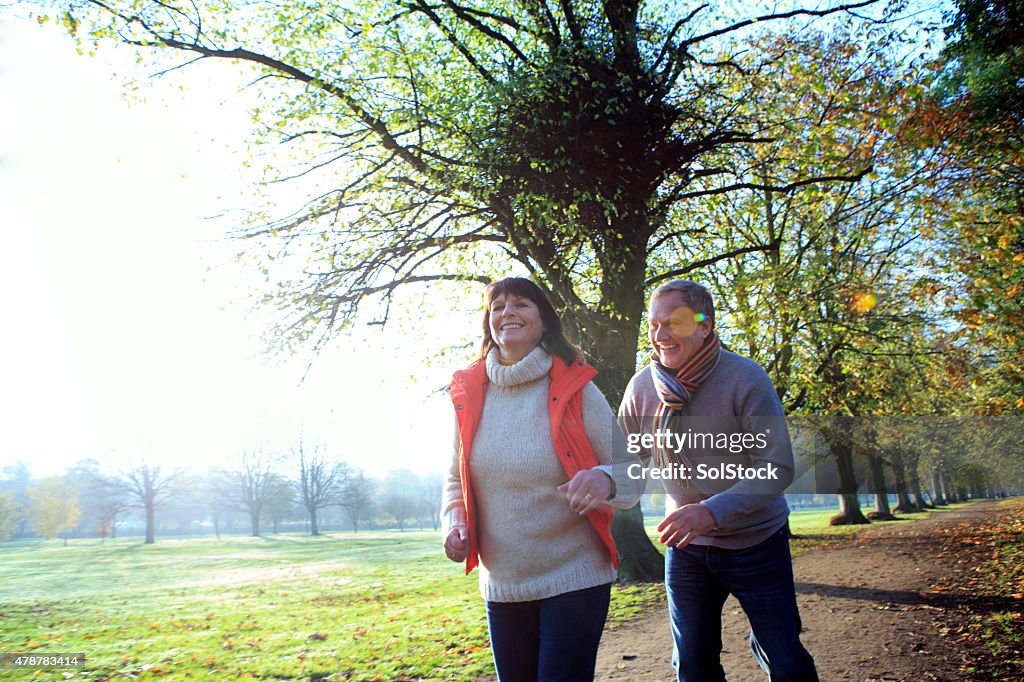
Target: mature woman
x=539, y=460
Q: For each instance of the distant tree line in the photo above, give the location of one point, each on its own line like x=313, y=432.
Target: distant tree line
x=305, y=491
x=900, y=464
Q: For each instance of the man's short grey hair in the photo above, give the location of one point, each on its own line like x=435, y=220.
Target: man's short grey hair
x=695, y=296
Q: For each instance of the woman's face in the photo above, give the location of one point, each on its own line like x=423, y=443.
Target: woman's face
x=516, y=326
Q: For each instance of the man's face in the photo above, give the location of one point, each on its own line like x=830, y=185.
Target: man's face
x=676, y=332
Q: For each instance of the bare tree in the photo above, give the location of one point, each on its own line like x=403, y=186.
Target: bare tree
x=431, y=492
x=281, y=500
x=101, y=498
x=356, y=496
x=319, y=482
x=402, y=496
x=249, y=487
x=149, y=487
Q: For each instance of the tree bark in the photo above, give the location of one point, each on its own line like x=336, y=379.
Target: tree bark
x=640, y=560
x=840, y=444
x=903, y=505
x=150, y=521
x=314, y=527
x=938, y=499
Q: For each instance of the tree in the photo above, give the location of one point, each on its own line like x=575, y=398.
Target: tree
x=149, y=487
x=974, y=120
x=984, y=57
x=280, y=504
x=101, y=497
x=10, y=514
x=432, y=492
x=249, y=487
x=401, y=496
x=356, y=496
x=822, y=293
x=443, y=139
x=16, y=482
x=319, y=482
x=53, y=507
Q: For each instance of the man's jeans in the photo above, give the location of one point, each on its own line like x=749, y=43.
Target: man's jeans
x=698, y=580
x=548, y=640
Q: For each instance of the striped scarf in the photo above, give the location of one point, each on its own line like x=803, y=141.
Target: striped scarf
x=675, y=390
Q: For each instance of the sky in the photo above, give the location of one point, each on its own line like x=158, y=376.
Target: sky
x=127, y=332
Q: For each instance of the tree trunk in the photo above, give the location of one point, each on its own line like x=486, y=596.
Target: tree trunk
x=899, y=473
x=639, y=560
x=150, y=521
x=881, y=511
x=938, y=499
x=840, y=444
x=314, y=528
x=945, y=488
x=254, y=521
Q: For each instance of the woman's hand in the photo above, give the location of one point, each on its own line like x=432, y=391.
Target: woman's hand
x=456, y=545
x=587, y=490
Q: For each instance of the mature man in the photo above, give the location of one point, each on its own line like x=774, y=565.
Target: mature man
x=713, y=424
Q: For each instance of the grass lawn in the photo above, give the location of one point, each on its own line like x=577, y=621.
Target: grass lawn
x=366, y=606
x=384, y=606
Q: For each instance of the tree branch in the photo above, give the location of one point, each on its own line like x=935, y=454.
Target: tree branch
x=672, y=274
x=778, y=188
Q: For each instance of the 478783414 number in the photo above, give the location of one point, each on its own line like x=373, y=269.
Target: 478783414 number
x=41, y=661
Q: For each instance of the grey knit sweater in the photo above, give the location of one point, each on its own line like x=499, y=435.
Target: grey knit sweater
x=532, y=545
x=738, y=409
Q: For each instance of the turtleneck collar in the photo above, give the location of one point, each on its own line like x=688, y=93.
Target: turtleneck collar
x=535, y=365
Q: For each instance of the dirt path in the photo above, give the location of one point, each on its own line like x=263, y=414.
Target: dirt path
x=868, y=609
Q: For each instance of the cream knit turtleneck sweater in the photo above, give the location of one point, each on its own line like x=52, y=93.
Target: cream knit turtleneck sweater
x=532, y=545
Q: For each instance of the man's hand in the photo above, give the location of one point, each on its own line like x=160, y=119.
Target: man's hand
x=684, y=524
x=587, y=490
x=456, y=545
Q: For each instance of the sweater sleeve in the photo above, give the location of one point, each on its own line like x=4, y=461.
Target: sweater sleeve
x=632, y=421
x=453, y=506
x=609, y=446
x=760, y=413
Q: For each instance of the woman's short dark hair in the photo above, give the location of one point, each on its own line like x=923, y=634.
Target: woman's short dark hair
x=553, y=340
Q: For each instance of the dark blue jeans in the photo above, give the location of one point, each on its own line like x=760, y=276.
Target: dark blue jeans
x=548, y=640
x=698, y=580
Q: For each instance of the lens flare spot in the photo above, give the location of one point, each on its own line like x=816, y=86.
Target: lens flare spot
x=683, y=322
x=700, y=317
x=863, y=302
